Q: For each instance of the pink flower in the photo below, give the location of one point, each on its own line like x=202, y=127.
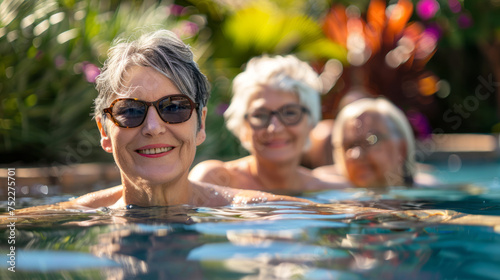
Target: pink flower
x=454, y=6
x=434, y=30
x=186, y=29
x=420, y=124
x=191, y=28
x=464, y=21
x=91, y=71
x=59, y=61
x=176, y=10
x=426, y=9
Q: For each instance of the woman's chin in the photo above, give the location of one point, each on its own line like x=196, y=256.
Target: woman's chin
x=156, y=175
x=280, y=155
x=280, y=159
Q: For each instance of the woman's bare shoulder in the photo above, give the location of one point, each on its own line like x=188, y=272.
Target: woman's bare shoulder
x=324, y=181
x=325, y=170
x=101, y=198
x=214, y=172
x=214, y=195
x=93, y=200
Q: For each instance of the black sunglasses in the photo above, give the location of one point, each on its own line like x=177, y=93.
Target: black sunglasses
x=131, y=112
x=290, y=114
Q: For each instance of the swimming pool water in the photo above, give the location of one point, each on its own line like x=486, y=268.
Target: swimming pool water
x=349, y=234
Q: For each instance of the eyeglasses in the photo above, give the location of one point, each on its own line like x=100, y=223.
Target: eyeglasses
x=369, y=142
x=290, y=114
x=131, y=112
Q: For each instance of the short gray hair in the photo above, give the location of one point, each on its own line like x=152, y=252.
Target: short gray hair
x=161, y=50
x=280, y=72
x=399, y=126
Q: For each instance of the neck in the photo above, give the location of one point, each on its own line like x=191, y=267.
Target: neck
x=272, y=176
x=143, y=193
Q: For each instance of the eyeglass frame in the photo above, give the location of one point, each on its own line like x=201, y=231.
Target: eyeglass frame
x=155, y=104
x=366, y=144
x=277, y=113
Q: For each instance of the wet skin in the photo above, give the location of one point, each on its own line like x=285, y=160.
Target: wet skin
x=276, y=150
x=154, y=158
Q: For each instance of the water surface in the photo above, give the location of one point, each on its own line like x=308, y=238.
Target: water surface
x=450, y=231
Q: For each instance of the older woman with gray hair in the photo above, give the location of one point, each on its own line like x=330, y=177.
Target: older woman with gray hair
x=373, y=145
x=275, y=105
x=150, y=112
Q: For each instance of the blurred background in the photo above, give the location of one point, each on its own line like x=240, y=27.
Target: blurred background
x=438, y=60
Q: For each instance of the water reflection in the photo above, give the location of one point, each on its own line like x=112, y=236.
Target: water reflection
x=393, y=235
x=272, y=259
x=159, y=253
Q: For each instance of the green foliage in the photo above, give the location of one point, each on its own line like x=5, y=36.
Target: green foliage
x=49, y=50
x=467, y=55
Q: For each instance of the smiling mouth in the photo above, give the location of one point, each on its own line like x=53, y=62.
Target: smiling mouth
x=279, y=143
x=155, y=151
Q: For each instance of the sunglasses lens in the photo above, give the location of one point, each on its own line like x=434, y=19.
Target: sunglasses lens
x=175, y=109
x=129, y=113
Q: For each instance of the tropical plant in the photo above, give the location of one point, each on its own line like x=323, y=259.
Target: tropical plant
x=51, y=52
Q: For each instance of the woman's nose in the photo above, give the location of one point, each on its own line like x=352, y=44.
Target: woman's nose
x=275, y=124
x=153, y=124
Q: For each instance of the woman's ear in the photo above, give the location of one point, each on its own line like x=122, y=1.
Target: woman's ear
x=105, y=140
x=201, y=135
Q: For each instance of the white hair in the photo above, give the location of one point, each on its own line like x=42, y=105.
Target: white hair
x=286, y=73
x=398, y=123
